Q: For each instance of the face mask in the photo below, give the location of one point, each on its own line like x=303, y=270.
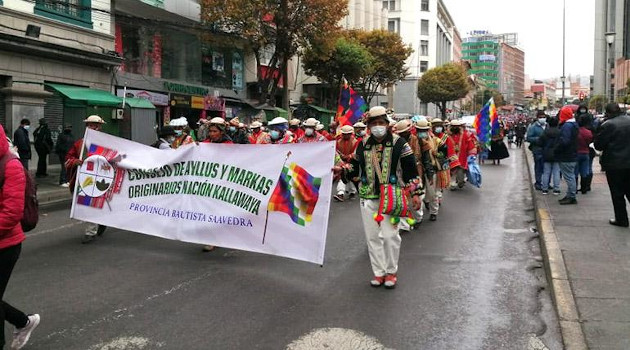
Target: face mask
x=309, y=132
x=542, y=120
x=26, y=127
x=423, y=135
x=178, y=132
x=232, y=128
x=378, y=131
x=438, y=130
x=275, y=134
x=362, y=133
x=582, y=111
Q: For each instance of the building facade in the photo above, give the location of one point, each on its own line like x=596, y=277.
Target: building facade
x=48, y=46
x=427, y=27
x=482, y=50
x=512, y=73
x=611, y=16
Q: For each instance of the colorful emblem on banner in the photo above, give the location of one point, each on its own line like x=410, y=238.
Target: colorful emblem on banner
x=296, y=194
x=98, y=177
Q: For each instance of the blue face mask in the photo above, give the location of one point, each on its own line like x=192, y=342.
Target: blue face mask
x=423, y=135
x=26, y=127
x=438, y=130
x=232, y=129
x=275, y=134
x=178, y=132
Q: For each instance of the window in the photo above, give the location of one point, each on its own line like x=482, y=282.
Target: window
x=393, y=25
x=424, y=27
x=389, y=5
x=424, y=5
x=424, y=66
x=77, y=12
x=424, y=47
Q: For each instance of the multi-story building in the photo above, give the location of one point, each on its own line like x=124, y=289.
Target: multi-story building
x=427, y=27
x=182, y=69
x=481, y=49
x=457, y=45
x=512, y=73
x=57, y=60
x=368, y=14
x=611, y=16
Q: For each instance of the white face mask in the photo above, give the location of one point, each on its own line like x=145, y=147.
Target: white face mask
x=178, y=132
x=378, y=131
x=309, y=132
x=542, y=120
x=438, y=130
x=362, y=133
x=26, y=127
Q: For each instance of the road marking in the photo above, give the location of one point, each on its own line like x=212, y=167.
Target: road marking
x=55, y=229
x=126, y=343
x=536, y=344
x=336, y=338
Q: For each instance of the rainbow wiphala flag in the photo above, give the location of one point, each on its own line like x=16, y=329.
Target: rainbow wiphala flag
x=351, y=105
x=487, y=123
x=296, y=194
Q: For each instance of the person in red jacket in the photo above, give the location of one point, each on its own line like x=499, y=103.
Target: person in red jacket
x=464, y=147
x=73, y=161
x=11, y=237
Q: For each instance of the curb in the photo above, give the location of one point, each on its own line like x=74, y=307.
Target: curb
x=563, y=298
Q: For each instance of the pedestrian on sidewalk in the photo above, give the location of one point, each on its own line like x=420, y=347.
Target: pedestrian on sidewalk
x=566, y=153
x=612, y=139
x=551, y=169
x=380, y=157
x=583, y=165
x=13, y=185
x=533, y=133
x=72, y=163
x=23, y=142
x=43, y=146
x=65, y=140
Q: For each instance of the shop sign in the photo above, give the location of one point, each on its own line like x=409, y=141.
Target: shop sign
x=180, y=100
x=185, y=89
x=214, y=103
x=487, y=58
x=196, y=102
x=156, y=98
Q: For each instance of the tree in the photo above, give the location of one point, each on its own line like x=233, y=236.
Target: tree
x=389, y=52
x=347, y=59
x=442, y=84
x=597, y=102
x=285, y=24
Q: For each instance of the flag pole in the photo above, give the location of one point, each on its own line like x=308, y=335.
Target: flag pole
x=267, y=215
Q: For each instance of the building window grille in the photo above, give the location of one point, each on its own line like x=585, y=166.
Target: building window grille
x=424, y=48
x=424, y=66
x=424, y=5
x=389, y=5
x=424, y=27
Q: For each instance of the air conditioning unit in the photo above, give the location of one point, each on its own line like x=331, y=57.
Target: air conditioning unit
x=118, y=114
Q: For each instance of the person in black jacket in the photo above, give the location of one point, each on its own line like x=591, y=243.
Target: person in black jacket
x=566, y=153
x=22, y=142
x=64, y=142
x=612, y=139
x=43, y=146
x=551, y=169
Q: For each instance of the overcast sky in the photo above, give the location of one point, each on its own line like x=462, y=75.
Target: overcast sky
x=539, y=25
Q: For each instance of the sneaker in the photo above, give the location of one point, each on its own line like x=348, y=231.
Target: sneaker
x=352, y=195
x=338, y=197
x=433, y=217
x=390, y=281
x=66, y=185
x=556, y=192
x=208, y=248
x=545, y=191
x=565, y=201
x=377, y=281
x=21, y=335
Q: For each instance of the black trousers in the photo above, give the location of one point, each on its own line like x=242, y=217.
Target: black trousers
x=62, y=175
x=619, y=190
x=8, y=258
x=42, y=164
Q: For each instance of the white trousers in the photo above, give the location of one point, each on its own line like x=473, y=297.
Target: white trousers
x=459, y=178
x=432, y=196
x=383, y=240
x=343, y=188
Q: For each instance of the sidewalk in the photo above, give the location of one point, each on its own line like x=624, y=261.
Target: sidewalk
x=48, y=190
x=588, y=264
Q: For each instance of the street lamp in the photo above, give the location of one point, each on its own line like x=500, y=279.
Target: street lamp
x=610, y=39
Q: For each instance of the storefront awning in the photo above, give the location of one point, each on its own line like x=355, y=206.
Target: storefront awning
x=91, y=97
x=134, y=102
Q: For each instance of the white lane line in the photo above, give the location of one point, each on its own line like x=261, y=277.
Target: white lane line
x=62, y=227
x=337, y=339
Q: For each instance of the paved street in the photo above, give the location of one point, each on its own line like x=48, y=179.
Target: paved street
x=471, y=280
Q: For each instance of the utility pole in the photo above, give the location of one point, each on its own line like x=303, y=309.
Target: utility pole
x=563, y=78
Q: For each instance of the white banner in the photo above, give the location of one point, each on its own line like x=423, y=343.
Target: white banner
x=226, y=195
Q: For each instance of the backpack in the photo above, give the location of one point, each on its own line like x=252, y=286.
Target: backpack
x=31, y=205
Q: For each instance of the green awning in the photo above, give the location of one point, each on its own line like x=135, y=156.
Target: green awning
x=135, y=102
x=282, y=112
x=91, y=97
